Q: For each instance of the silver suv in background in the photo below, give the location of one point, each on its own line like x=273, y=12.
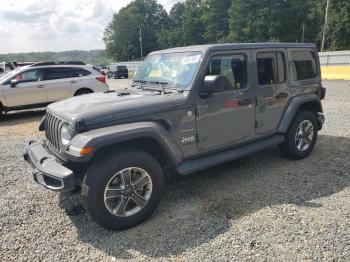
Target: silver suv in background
x=42, y=83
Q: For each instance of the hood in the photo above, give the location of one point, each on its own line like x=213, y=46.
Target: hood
x=100, y=108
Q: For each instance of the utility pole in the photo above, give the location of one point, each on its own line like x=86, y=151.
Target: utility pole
x=140, y=38
x=302, y=37
x=217, y=28
x=325, y=26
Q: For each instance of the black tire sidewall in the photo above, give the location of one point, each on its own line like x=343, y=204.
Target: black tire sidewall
x=289, y=147
x=102, y=170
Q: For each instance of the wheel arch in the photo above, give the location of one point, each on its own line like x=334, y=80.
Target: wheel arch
x=310, y=102
x=150, y=137
x=147, y=144
x=83, y=89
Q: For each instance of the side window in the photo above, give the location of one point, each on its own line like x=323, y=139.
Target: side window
x=234, y=67
x=271, y=68
x=304, y=63
x=33, y=75
x=78, y=72
x=57, y=73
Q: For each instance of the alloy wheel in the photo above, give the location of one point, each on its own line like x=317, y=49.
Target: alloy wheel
x=128, y=192
x=304, y=135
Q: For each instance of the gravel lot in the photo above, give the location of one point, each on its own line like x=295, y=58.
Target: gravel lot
x=262, y=207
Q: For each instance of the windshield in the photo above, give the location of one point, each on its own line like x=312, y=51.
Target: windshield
x=176, y=70
x=10, y=73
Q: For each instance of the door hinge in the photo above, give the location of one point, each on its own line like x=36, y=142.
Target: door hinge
x=200, y=138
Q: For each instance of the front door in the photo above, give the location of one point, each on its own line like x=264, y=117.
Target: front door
x=272, y=92
x=29, y=89
x=227, y=117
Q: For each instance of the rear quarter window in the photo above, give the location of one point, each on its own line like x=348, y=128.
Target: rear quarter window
x=79, y=72
x=304, y=65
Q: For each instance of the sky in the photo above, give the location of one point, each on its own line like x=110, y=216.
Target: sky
x=57, y=25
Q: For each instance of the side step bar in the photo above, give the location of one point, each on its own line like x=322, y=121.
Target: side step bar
x=191, y=166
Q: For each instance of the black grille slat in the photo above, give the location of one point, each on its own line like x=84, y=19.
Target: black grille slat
x=52, y=131
x=54, y=121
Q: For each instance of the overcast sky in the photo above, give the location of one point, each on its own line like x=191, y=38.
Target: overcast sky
x=57, y=25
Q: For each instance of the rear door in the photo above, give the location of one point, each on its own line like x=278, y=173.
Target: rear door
x=227, y=117
x=272, y=92
x=29, y=89
x=63, y=82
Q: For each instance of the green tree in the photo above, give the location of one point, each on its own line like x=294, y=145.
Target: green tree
x=215, y=19
x=338, y=33
x=193, y=26
x=122, y=34
x=172, y=36
x=274, y=20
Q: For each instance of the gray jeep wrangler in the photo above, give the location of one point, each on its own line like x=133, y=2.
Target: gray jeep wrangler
x=186, y=110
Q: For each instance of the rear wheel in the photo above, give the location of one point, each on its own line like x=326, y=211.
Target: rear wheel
x=122, y=190
x=301, y=136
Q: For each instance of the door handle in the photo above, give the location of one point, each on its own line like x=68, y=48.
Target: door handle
x=73, y=82
x=245, y=102
x=282, y=95
x=41, y=86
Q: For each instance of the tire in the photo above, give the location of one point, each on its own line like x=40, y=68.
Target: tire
x=293, y=147
x=105, y=171
x=1, y=111
x=84, y=91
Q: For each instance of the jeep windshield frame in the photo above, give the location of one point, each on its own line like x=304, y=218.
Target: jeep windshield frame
x=176, y=70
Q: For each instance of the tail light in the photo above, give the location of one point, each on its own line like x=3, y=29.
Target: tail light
x=101, y=78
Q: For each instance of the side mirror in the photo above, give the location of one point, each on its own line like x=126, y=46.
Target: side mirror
x=14, y=82
x=215, y=84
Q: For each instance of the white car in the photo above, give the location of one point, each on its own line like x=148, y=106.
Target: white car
x=39, y=84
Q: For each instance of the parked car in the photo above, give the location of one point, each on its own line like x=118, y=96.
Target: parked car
x=6, y=67
x=118, y=72
x=188, y=109
x=39, y=84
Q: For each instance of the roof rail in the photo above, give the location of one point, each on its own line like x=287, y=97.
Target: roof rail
x=59, y=63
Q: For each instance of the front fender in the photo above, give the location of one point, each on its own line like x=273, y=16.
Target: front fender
x=105, y=136
x=294, y=104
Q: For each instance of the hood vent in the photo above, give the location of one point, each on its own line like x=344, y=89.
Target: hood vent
x=123, y=94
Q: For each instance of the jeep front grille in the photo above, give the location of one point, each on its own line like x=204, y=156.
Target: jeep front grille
x=52, y=130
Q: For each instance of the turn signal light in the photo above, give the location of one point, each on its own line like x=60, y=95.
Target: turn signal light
x=86, y=150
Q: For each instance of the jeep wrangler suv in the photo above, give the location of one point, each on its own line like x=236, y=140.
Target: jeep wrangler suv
x=186, y=110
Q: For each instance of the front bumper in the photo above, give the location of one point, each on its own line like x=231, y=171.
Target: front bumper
x=46, y=170
x=320, y=120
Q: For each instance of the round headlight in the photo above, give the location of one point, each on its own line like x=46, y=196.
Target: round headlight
x=65, y=134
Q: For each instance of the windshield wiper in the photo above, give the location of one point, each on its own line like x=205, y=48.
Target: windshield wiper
x=140, y=82
x=161, y=84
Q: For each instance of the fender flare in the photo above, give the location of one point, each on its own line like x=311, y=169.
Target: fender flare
x=293, y=106
x=101, y=137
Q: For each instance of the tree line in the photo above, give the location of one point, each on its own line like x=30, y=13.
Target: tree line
x=220, y=21
x=89, y=57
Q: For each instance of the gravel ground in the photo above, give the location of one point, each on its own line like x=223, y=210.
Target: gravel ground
x=262, y=207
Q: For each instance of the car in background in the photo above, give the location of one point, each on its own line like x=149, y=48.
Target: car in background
x=39, y=84
x=118, y=72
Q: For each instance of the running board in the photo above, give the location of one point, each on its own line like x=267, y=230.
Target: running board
x=191, y=166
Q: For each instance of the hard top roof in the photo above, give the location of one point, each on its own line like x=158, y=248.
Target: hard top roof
x=232, y=46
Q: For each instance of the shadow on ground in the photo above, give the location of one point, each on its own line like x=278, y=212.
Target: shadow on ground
x=21, y=117
x=201, y=207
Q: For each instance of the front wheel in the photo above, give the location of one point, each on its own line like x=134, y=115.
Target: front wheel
x=122, y=190
x=301, y=136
